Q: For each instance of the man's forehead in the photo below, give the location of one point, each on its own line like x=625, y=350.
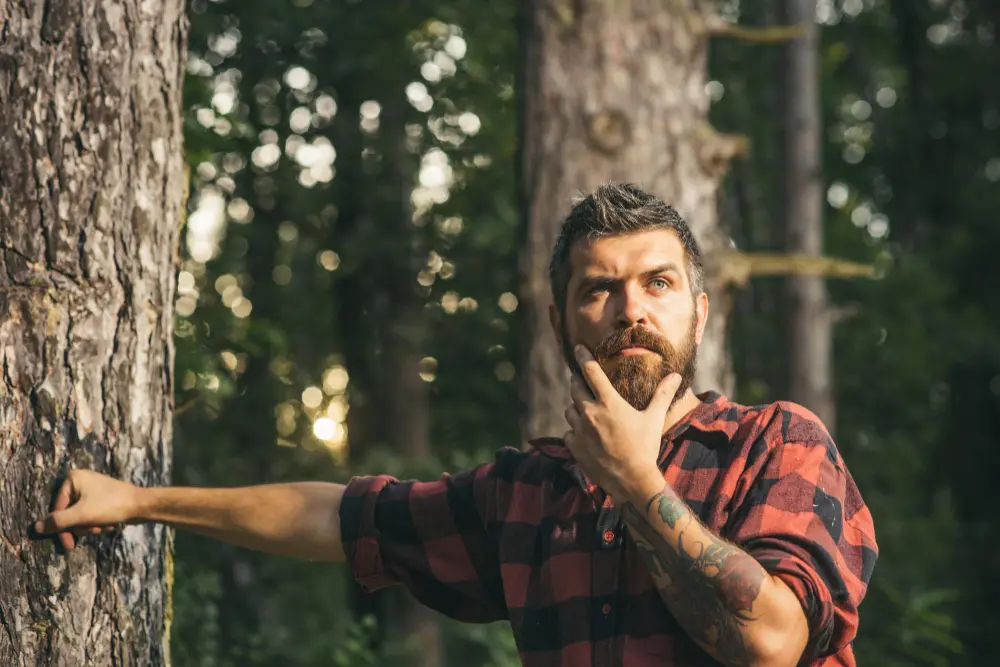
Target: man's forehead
x=629, y=253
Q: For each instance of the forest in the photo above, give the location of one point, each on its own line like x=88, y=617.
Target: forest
x=357, y=282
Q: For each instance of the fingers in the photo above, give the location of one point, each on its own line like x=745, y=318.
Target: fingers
x=67, y=520
x=69, y=537
x=573, y=417
x=64, y=496
x=81, y=531
x=59, y=521
x=579, y=391
x=596, y=379
x=62, y=517
x=665, y=394
x=569, y=437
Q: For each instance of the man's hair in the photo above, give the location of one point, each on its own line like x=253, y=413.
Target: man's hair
x=617, y=210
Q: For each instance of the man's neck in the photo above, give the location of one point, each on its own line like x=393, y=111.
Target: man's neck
x=681, y=409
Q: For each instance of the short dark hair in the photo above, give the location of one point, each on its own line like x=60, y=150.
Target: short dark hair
x=617, y=210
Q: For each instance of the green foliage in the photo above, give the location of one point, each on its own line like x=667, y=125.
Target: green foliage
x=196, y=596
x=911, y=164
x=356, y=651
x=921, y=626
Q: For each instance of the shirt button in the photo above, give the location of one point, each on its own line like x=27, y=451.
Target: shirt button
x=609, y=536
x=606, y=609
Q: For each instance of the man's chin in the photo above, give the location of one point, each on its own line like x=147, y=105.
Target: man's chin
x=620, y=364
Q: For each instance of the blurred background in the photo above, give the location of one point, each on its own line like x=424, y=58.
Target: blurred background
x=350, y=296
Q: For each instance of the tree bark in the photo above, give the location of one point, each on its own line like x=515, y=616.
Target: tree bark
x=612, y=91
x=809, y=327
x=92, y=189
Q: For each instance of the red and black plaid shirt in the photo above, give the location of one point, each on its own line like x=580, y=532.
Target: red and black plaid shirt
x=528, y=539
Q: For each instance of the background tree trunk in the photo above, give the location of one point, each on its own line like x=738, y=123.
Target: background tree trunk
x=809, y=326
x=381, y=317
x=611, y=92
x=92, y=189
x=352, y=298
x=403, y=336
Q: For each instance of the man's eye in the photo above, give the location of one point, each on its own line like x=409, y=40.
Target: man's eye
x=660, y=283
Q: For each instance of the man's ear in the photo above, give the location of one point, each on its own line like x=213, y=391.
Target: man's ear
x=556, y=321
x=701, y=313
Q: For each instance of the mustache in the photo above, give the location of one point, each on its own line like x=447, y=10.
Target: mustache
x=633, y=337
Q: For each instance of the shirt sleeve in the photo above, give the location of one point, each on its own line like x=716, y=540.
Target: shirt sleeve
x=799, y=513
x=432, y=537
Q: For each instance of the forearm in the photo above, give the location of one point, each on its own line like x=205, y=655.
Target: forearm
x=298, y=519
x=719, y=594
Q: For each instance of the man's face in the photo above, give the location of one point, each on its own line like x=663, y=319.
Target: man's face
x=629, y=301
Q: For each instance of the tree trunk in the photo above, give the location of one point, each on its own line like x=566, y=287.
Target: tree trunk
x=92, y=189
x=612, y=91
x=808, y=322
x=404, y=334
x=378, y=307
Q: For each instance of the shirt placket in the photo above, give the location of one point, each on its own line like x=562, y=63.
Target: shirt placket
x=605, y=579
x=605, y=572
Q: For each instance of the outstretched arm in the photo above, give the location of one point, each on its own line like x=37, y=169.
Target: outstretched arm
x=297, y=519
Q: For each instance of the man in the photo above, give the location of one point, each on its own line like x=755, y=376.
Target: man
x=664, y=528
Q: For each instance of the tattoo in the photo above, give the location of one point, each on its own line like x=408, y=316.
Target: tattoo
x=711, y=593
x=668, y=510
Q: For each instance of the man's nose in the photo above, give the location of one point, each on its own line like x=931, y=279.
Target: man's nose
x=633, y=309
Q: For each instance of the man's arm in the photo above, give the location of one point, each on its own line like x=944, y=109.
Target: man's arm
x=719, y=594
x=297, y=519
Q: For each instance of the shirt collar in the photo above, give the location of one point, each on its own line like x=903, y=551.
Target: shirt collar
x=715, y=416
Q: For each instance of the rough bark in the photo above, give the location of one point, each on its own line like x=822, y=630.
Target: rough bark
x=612, y=91
x=92, y=187
x=809, y=326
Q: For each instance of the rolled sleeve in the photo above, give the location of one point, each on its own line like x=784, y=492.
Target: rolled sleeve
x=431, y=537
x=803, y=519
x=360, y=534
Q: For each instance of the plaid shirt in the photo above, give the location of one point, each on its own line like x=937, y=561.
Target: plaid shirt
x=527, y=538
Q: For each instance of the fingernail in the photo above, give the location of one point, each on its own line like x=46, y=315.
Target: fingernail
x=38, y=527
x=579, y=350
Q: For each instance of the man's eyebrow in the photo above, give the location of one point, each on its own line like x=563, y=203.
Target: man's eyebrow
x=663, y=268
x=596, y=280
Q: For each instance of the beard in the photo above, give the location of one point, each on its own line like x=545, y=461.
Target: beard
x=636, y=377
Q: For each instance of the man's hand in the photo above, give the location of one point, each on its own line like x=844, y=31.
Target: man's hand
x=89, y=503
x=616, y=445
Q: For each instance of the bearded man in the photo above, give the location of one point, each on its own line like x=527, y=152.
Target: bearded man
x=664, y=528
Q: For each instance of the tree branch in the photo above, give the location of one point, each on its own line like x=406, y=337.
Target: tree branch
x=716, y=149
x=735, y=268
x=838, y=314
x=716, y=26
x=187, y=405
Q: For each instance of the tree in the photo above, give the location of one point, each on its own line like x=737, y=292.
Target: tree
x=613, y=92
x=92, y=192
x=809, y=321
x=391, y=331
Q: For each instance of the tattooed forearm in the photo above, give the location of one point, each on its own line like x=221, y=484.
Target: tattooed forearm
x=669, y=511
x=709, y=585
